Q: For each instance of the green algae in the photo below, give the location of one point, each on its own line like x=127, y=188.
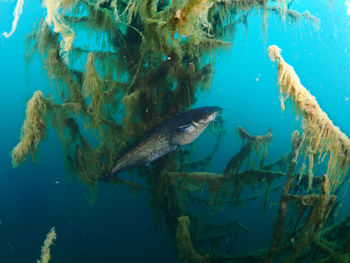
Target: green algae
x=33, y=129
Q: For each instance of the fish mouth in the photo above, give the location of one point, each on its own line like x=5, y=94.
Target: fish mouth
x=207, y=115
x=215, y=111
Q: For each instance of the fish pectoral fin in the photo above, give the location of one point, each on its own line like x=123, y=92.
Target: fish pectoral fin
x=195, y=124
x=173, y=146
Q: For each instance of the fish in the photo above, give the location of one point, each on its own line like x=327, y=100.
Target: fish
x=181, y=130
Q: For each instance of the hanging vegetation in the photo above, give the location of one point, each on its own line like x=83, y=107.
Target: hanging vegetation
x=152, y=59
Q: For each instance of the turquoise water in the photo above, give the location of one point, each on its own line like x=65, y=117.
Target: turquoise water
x=119, y=226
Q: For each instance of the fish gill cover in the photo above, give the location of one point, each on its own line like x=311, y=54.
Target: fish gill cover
x=156, y=58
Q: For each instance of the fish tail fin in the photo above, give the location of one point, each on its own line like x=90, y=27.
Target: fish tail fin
x=108, y=176
x=105, y=177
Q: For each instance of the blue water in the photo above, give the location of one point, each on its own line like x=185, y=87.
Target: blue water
x=119, y=226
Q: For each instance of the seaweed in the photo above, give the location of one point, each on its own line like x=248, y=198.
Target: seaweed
x=93, y=88
x=45, y=250
x=33, y=129
x=16, y=13
x=187, y=253
x=59, y=25
x=322, y=137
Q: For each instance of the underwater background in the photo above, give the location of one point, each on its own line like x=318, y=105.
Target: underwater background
x=115, y=224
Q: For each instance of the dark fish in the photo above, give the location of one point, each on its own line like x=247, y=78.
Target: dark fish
x=180, y=130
